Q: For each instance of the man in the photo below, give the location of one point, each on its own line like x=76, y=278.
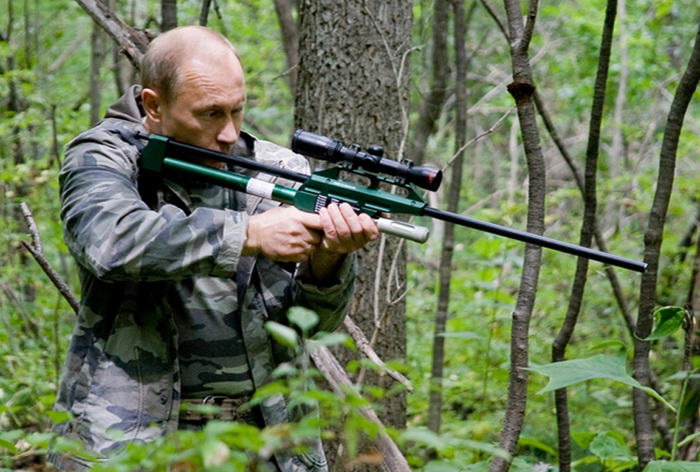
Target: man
x=179, y=277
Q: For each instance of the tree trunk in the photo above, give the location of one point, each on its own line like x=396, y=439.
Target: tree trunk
x=613, y=209
x=522, y=90
x=290, y=39
x=652, y=248
x=610, y=273
x=586, y=238
x=445, y=269
x=204, y=13
x=123, y=71
x=95, y=89
x=352, y=86
x=431, y=107
x=168, y=15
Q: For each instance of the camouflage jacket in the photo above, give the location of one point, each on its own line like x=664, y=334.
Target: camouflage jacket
x=135, y=246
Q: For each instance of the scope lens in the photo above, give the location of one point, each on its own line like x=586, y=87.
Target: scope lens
x=425, y=177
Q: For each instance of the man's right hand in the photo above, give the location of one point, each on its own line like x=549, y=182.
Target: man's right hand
x=283, y=234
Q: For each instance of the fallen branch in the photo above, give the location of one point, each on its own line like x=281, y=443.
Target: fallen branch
x=392, y=458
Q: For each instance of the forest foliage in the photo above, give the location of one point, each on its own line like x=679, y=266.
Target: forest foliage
x=46, y=54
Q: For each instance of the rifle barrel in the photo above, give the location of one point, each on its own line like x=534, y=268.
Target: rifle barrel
x=170, y=152
x=531, y=238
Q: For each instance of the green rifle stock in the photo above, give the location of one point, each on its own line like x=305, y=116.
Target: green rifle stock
x=163, y=156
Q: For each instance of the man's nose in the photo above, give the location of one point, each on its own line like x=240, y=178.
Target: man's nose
x=229, y=133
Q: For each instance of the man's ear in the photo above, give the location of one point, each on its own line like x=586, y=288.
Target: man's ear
x=151, y=104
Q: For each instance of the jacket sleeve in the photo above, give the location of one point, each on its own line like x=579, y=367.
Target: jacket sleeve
x=331, y=303
x=113, y=234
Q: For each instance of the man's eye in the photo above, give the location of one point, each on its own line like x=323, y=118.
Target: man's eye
x=211, y=114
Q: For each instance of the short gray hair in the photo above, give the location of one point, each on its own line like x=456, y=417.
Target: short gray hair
x=160, y=65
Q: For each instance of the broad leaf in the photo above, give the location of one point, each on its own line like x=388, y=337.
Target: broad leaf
x=283, y=334
x=605, y=447
x=668, y=320
x=303, y=318
x=665, y=466
x=601, y=366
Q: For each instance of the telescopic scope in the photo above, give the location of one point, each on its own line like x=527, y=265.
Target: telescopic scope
x=320, y=147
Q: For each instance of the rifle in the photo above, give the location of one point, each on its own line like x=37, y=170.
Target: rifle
x=162, y=156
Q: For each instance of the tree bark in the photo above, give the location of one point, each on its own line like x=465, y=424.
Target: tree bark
x=432, y=105
x=131, y=41
x=123, y=70
x=352, y=86
x=613, y=209
x=204, y=13
x=586, y=237
x=168, y=15
x=98, y=53
x=290, y=39
x=522, y=89
x=445, y=268
x=653, y=239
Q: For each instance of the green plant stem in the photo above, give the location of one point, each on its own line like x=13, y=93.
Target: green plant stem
x=676, y=427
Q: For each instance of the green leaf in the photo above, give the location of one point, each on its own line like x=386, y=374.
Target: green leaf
x=330, y=339
x=665, y=466
x=303, y=318
x=442, y=466
x=668, y=320
x=283, y=334
x=615, y=344
x=601, y=366
x=689, y=439
x=9, y=445
x=40, y=439
x=58, y=416
x=538, y=444
x=583, y=438
x=422, y=436
x=605, y=447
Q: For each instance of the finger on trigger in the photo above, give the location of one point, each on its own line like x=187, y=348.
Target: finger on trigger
x=311, y=220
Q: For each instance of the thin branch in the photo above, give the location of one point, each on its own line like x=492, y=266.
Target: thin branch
x=364, y=346
x=479, y=137
x=495, y=17
x=529, y=24
x=132, y=41
x=37, y=251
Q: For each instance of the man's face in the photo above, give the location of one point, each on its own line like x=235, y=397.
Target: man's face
x=207, y=110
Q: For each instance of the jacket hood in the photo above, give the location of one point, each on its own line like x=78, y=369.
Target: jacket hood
x=128, y=107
